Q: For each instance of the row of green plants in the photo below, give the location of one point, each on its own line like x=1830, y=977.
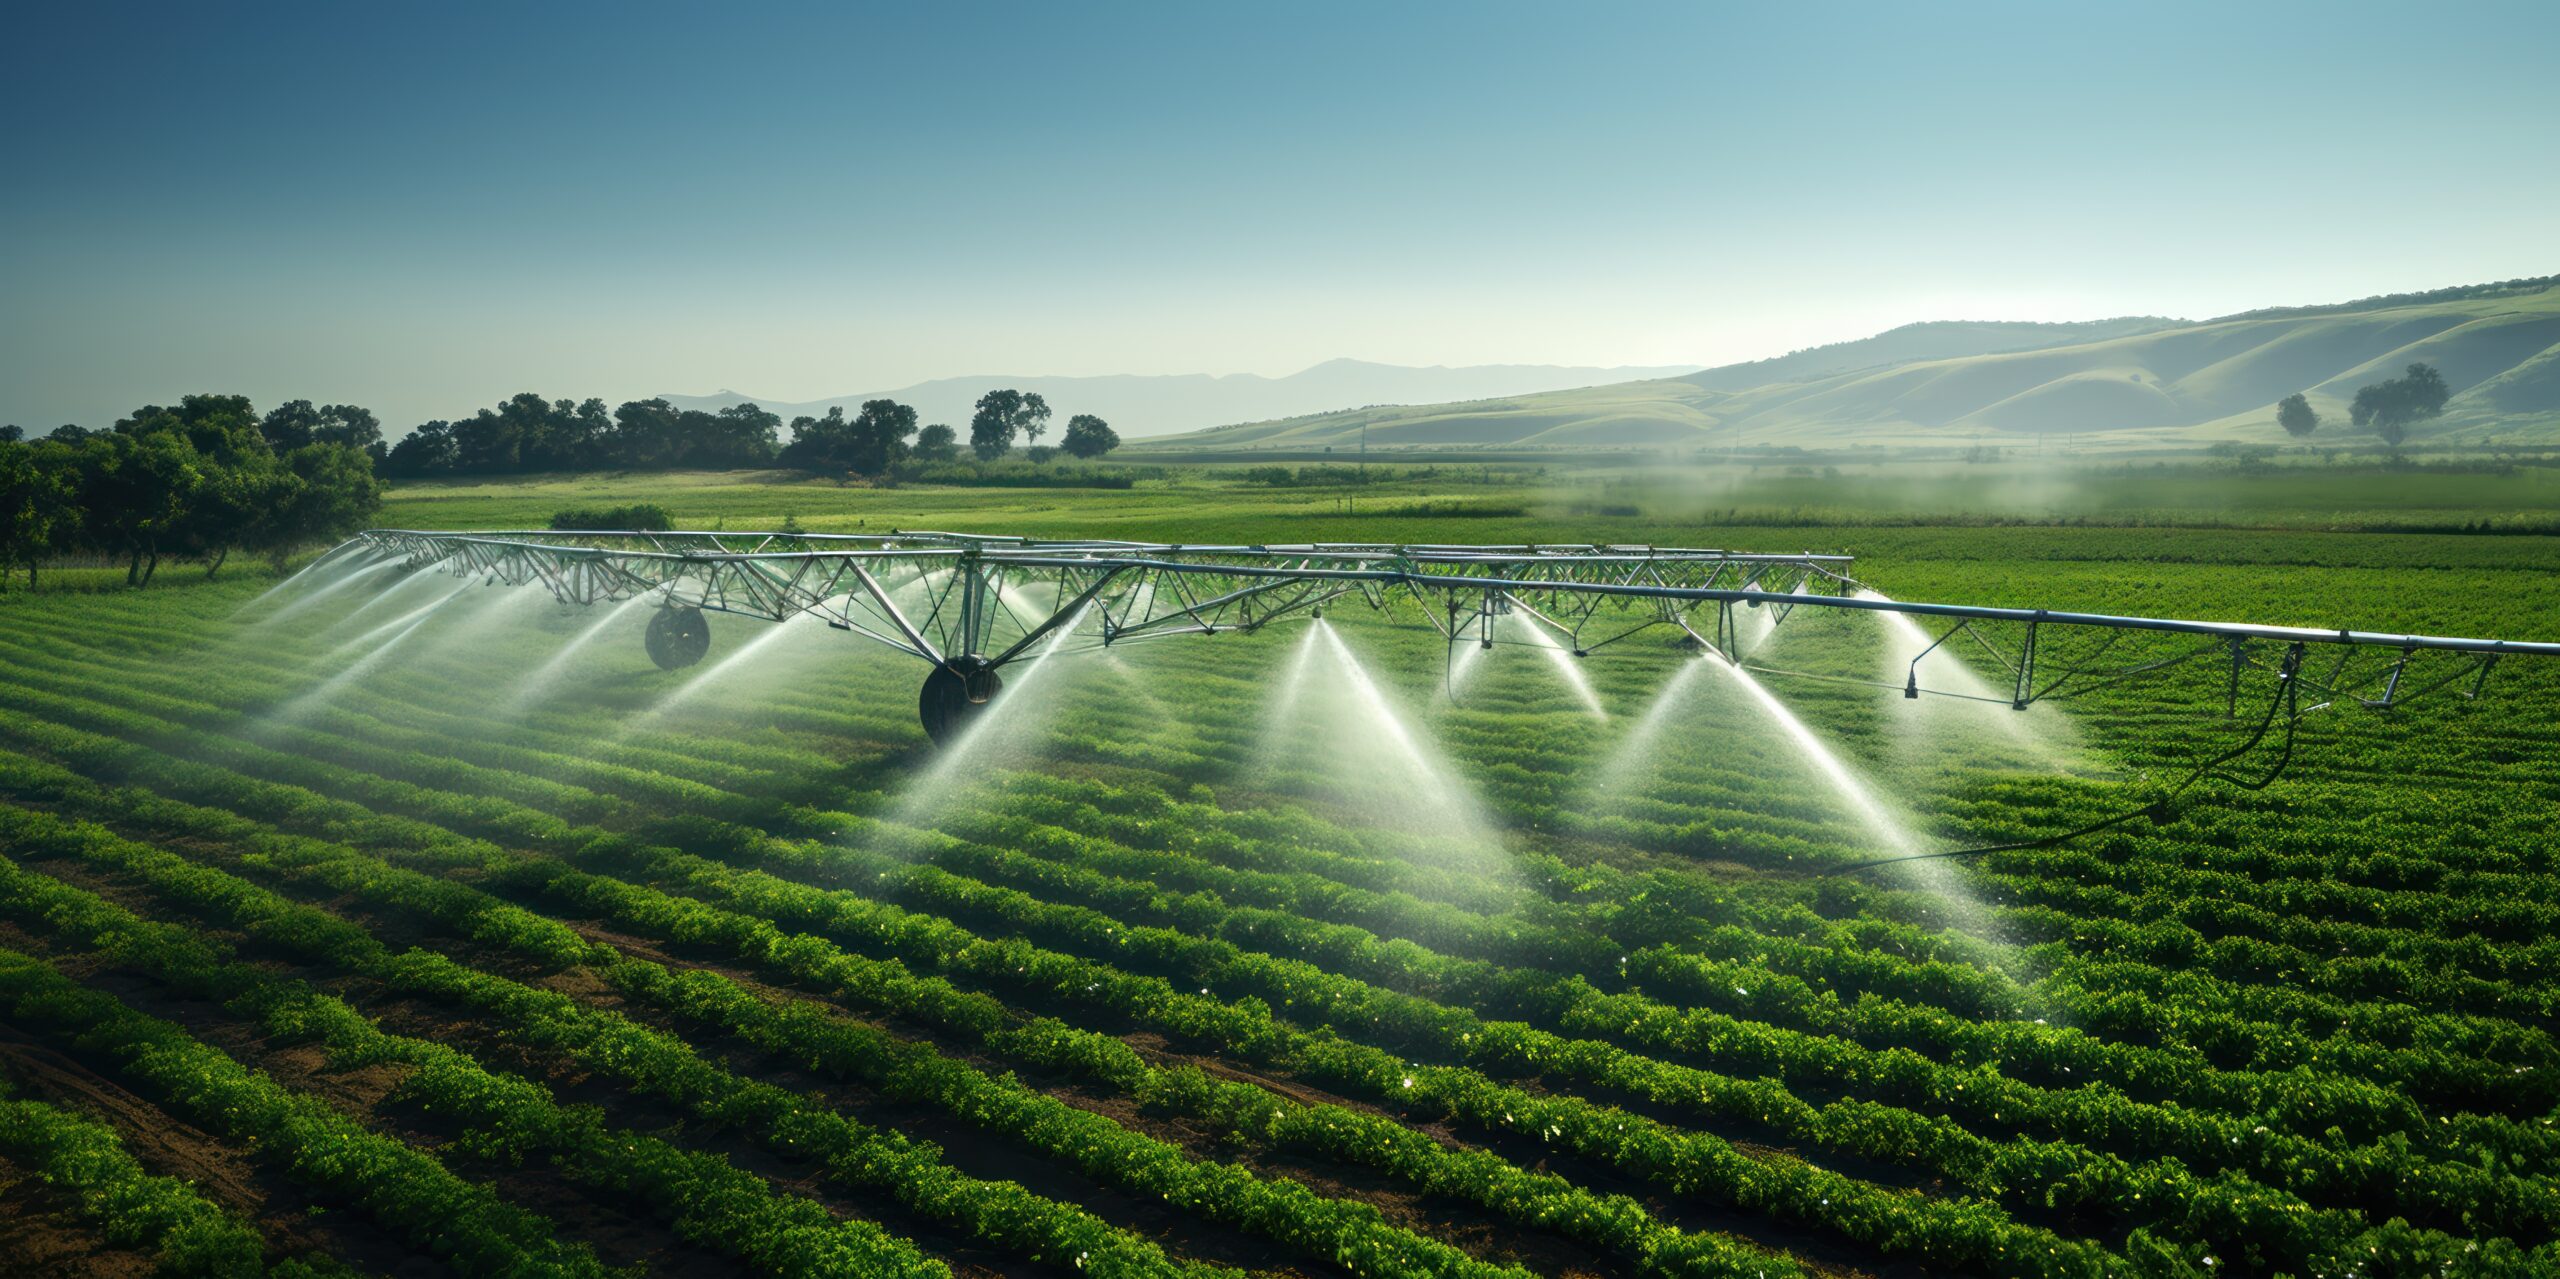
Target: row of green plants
x=407, y=1190
x=503, y=1118
x=316, y=743
x=905, y=1072
x=1682, y=1163
x=184, y=1232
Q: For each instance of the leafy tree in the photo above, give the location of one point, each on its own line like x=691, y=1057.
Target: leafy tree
x=234, y=481
x=1089, y=436
x=818, y=443
x=38, y=505
x=1002, y=415
x=741, y=435
x=2295, y=414
x=295, y=423
x=221, y=428
x=2389, y=407
x=867, y=444
x=232, y=506
x=332, y=493
x=647, y=433
x=12, y=433
x=136, y=488
x=428, y=450
x=937, y=443
x=880, y=436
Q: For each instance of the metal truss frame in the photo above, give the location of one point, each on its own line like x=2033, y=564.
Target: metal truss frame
x=943, y=597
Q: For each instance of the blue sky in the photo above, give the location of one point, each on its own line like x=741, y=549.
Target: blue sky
x=426, y=208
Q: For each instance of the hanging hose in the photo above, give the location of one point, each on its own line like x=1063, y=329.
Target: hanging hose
x=2285, y=700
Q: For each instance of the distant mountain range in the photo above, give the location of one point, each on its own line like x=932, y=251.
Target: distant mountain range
x=2133, y=382
x=1140, y=405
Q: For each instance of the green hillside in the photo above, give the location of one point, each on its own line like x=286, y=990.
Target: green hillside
x=2498, y=346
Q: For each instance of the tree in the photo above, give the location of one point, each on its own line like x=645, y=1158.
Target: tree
x=869, y=443
x=817, y=443
x=937, y=443
x=2418, y=394
x=222, y=428
x=879, y=437
x=1001, y=415
x=741, y=435
x=38, y=511
x=12, y=433
x=1034, y=417
x=234, y=480
x=2295, y=415
x=135, y=490
x=429, y=450
x=1089, y=436
x=331, y=492
x=295, y=423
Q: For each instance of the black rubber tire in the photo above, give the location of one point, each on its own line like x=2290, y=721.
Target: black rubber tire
x=678, y=637
x=954, y=694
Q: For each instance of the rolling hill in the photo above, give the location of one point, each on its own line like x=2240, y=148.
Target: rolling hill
x=1140, y=405
x=2133, y=382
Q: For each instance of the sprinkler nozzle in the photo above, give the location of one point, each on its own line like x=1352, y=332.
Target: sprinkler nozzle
x=1487, y=643
x=2018, y=705
x=839, y=625
x=1911, y=686
x=1582, y=652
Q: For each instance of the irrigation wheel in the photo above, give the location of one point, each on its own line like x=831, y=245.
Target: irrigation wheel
x=678, y=637
x=954, y=694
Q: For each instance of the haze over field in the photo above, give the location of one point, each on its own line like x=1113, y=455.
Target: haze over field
x=2123, y=382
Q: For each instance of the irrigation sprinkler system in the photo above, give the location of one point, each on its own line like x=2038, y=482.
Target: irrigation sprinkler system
x=969, y=605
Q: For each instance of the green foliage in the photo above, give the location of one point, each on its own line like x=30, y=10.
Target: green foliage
x=937, y=443
x=2297, y=1032
x=870, y=444
x=530, y=434
x=1003, y=415
x=1089, y=437
x=85, y=1158
x=2390, y=407
x=2295, y=414
x=639, y=517
x=196, y=481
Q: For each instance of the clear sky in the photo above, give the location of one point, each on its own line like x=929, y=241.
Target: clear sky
x=424, y=208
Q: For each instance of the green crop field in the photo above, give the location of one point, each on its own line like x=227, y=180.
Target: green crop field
x=425, y=927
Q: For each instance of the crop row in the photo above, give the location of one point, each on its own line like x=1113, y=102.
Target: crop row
x=1959, y=1083
x=2440, y=1039
x=1682, y=1163
x=906, y=1072
x=504, y=1117
x=186, y=1233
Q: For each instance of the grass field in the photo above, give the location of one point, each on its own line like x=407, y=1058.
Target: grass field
x=1632, y=500
x=401, y=939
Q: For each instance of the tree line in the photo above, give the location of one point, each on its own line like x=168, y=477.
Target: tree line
x=195, y=481
x=2387, y=407
x=530, y=434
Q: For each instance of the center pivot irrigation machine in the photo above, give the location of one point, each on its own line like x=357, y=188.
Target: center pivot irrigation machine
x=970, y=606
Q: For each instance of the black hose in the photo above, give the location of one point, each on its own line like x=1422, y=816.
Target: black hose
x=2286, y=699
